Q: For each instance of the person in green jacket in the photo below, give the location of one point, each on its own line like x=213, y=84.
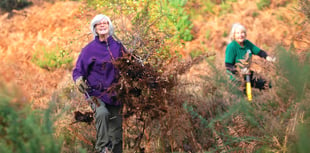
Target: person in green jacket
x=239, y=52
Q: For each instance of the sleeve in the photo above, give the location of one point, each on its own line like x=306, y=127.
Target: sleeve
x=253, y=48
x=262, y=54
x=79, y=69
x=230, y=54
x=231, y=68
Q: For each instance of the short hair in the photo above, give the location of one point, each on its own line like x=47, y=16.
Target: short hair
x=233, y=30
x=96, y=20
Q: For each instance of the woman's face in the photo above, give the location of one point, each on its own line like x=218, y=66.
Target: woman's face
x=102, y=28
x=239, y=35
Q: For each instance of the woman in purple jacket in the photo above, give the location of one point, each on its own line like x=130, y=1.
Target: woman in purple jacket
x=94, y=74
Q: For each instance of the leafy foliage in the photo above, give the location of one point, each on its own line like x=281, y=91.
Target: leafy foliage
x=209, y=5
x=174, y=20
x=52, y=59
x=23, y=129
x=263, y=4
x=295, y=72
x=175, y=13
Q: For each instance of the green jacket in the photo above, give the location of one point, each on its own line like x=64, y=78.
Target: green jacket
x=234, y=52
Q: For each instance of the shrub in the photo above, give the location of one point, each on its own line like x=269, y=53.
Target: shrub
x=9, y=5
x=25, y=130
x=263, y=4
x=209, y=6
x=175, y=13
x=52, y=59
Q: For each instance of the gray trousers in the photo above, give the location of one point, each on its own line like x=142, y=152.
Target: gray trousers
x=108, y=121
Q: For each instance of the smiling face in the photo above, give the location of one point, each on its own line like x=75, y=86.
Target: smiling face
x=102, y=28
x=239, y=35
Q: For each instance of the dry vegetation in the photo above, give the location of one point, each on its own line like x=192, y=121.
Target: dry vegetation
x=167, y=111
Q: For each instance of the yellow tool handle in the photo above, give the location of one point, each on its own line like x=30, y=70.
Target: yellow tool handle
x=249, y=91
x=248, y=87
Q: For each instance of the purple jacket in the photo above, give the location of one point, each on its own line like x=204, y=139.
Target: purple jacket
x=95, y=64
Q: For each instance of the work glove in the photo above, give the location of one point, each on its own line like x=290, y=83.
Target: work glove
x=245, y=71
x=81, y=84
x=270, y=59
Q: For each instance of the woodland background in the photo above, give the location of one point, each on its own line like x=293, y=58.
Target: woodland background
x=176, y=92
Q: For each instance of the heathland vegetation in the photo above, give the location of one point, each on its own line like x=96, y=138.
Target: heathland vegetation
x=177, y=97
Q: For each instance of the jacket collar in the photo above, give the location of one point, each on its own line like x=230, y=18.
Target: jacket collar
x=110, y=39
x=244, y=42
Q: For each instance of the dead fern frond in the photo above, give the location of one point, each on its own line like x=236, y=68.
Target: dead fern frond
x=86, y=117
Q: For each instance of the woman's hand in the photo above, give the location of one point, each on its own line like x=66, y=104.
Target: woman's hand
x=245, y=71
x=81, y=84
x=270, y=59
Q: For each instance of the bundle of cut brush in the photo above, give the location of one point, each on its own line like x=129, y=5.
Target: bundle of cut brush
x=141, y=87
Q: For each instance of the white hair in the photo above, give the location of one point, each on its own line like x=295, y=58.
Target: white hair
x=96, y=20
x=233, y=30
